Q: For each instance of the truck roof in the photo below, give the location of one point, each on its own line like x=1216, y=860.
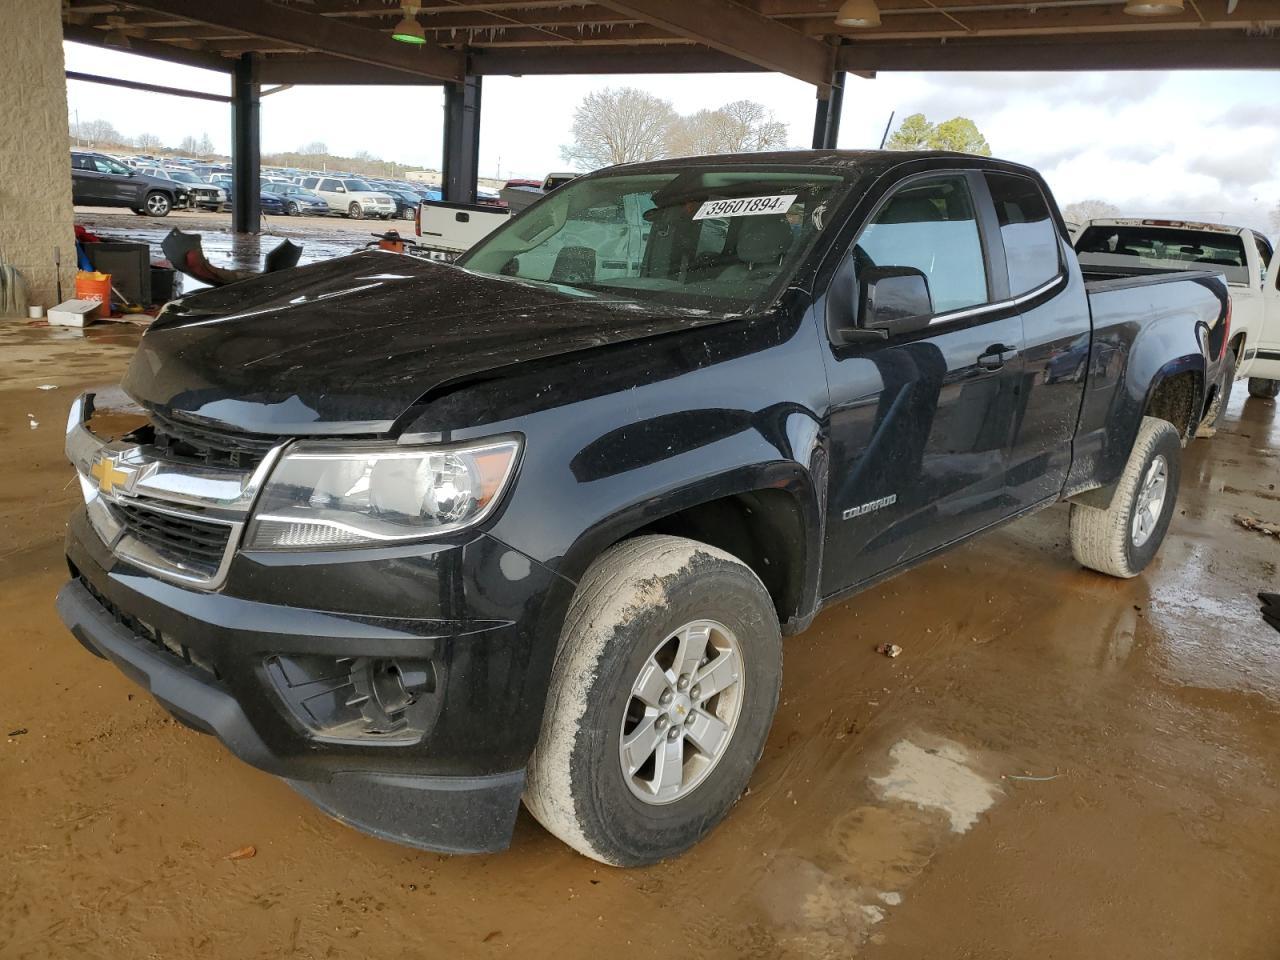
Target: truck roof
x=864, y=161
x=1168, y=224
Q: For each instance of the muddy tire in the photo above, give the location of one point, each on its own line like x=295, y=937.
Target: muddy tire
x=355, y=211
x=1123, y=538
x=1263, y=389
x=670, y=663
x=1221, y=399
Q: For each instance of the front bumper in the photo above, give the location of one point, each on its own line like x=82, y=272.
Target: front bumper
x=449, y=814
x=473, y=619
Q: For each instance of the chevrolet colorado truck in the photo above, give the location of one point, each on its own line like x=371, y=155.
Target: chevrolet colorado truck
x=426, y=540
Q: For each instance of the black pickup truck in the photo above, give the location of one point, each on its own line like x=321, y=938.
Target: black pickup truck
x=428, y=539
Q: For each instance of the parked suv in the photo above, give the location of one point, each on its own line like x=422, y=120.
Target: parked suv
x=205, y=195
x=352, y=196
x=99, y=181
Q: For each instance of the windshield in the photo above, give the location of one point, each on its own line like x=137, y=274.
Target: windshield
x=713, y=238
x=1164, y=248
x=357, y=185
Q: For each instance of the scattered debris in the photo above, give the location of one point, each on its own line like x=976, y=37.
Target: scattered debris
x=1014, y=776
x=244, y=853
x=48, y=386
x=32, y=421
x=1257, y=524
x=19, y=732
x=889, y=649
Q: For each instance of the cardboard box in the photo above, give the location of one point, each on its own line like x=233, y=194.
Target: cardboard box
x=74, y=313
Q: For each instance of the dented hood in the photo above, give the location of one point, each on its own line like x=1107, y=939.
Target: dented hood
x=349, y=345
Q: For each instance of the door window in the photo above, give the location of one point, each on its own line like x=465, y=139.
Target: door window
x=1264, y=257
x=931, y=226
x=1031, y=243
x=103, y=165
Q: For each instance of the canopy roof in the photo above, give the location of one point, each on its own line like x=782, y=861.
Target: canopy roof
x=349, y=41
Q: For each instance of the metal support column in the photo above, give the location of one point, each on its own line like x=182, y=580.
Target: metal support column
x=246, y=152
x=826, y=119
x=461, y=140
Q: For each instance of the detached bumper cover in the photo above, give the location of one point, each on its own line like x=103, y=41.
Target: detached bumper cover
x=450, y=814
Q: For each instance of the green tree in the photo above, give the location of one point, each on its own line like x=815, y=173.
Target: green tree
x=913, y=133
x=959, y=134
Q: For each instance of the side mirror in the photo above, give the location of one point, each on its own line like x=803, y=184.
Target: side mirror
x=339, y=189
x=892, y=301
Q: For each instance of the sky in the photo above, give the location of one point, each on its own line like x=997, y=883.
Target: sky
x=1202, y=144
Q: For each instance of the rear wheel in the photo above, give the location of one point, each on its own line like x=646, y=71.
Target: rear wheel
x=355, y=211
x=661, y=698
x=1263, y=389
x=157, y=204
x=1122, y=539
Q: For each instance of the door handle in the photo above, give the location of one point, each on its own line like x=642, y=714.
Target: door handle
x=994, y=356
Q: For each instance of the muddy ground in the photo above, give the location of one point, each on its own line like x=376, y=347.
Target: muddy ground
x=889, y=817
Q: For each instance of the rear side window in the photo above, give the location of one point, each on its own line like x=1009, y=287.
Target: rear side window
x=1028, y=231
x=1157, y=248
x=930, y=226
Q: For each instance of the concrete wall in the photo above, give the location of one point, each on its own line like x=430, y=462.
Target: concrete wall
x=35, y=162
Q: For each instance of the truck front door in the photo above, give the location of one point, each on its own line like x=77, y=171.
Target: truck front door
x=921, y=424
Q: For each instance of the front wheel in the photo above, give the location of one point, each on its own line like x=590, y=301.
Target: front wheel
x=1122, y=539
x=293, y=209
x=661, y=697
x=355, y=211
x=157, y=204
x=1263, y=389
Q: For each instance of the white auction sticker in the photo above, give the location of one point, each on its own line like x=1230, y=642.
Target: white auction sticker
x=745, y=206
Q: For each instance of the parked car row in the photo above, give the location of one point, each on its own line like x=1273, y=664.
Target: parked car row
x=149, y=185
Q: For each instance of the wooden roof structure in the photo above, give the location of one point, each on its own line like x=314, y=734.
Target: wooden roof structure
x=349, y=41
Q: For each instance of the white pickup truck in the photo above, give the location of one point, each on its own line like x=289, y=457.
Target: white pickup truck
x=1244, y=256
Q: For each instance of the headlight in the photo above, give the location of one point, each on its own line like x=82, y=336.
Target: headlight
x=322, y=495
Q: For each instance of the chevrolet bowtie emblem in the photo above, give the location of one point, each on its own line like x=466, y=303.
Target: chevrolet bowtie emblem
x=108, y=477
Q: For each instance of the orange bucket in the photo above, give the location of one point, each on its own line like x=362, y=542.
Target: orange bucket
x=91, y=285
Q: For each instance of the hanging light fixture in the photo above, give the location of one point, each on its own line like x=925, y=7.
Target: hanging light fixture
x=1154, y=8
x=409, y=30
x=858, y=13
x=116, y=37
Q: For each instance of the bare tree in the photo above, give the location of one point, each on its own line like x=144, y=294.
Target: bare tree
x=618, y=126
x=205, y=147
x=1083, y=210
x=743, y=126
x=97, y=131
x=189, y=145
x=148, y=141
x=316, y=148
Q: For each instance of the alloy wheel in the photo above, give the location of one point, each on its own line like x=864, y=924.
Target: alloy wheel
x=682, y=712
